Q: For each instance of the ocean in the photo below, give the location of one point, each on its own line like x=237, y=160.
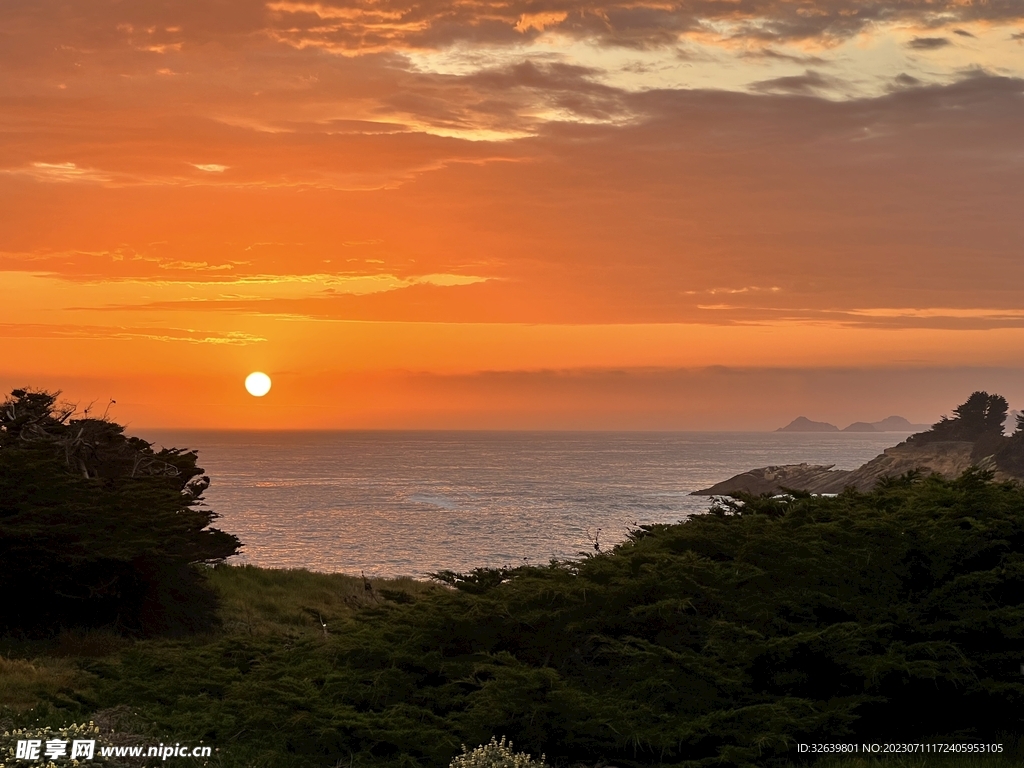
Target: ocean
x=391, y=503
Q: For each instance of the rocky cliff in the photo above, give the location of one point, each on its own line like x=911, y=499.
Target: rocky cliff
x=973, y=437
x=951, y=446
x=948, y=459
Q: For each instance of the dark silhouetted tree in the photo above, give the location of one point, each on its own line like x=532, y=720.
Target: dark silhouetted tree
x=97, y=528
x=981, y=416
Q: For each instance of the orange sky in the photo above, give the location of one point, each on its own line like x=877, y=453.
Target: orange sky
x=509, y=214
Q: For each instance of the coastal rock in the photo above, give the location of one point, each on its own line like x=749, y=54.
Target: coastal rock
x=895, y=424
x=972, y=437
x=803, y=424
x=861, y=426
x=775, y=479
x=949, y=459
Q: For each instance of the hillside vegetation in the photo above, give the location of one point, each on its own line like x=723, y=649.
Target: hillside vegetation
x=725, y=640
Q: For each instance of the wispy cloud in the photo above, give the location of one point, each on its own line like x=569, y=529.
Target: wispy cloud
x=375, y=26
x=184, y=335
x=810, y=83
x=946, y=318
x=59, y=172
x=929, y=43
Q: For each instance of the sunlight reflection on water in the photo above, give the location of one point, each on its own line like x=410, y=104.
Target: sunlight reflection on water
x=408, y=503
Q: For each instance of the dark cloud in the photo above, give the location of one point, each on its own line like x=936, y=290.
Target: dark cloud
x=808, y=84
x=963, y=33
x=63, y=34
x=630, y=24
x=928, y=43
x=773, y=55
x=903, y=80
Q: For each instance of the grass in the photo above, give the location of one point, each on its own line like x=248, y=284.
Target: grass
x=254, y=602
x=259, y=601
x=24, y=683
x=280, y=618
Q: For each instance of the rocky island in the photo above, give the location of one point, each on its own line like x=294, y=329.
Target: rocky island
x=973, y=437
x=890, y=424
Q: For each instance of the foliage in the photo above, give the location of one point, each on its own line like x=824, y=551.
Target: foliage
x=979, y=420
x=980, y=416
x=495, y=754
x=724, y=640
x=259, y=601
x=24, y=683
x=97, y=528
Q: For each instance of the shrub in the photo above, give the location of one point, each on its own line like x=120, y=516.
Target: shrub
x=496, y=754
x=97, y=528
x=895, y=615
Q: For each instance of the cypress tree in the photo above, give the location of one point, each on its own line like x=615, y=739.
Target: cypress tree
x=98, y=528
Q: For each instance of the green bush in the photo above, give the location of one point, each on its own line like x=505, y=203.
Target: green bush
x=98, y=529
x=725, y=640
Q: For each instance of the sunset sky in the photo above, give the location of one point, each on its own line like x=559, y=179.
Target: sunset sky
x=634, y=214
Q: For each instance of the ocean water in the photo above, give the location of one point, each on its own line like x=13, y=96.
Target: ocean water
x=410, y=503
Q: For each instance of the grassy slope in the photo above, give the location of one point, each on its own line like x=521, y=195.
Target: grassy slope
x=47, y=682
x=257, y=601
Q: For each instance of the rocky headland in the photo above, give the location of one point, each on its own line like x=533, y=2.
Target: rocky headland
x=973, y=437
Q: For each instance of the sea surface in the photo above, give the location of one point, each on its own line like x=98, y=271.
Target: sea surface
x=393, y=503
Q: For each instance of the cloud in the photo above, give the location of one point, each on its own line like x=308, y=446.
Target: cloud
x=936, y=318
x=60, y=172
x=928, y=43
x=903, y=80
x=194, y=266
x=770, y=54
x=210, y=167
x=377, y=26
x=539, y=21
x=188, y=336
x=599, y=222
x=159, y=34
x=583, y=199
x=808, y=84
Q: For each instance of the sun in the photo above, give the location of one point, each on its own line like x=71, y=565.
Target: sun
x=257, y=384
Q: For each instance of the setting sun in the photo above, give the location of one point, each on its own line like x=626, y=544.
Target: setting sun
x=257, y=384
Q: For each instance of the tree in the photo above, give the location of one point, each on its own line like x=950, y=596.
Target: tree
x=98, y=528
x=980, y=416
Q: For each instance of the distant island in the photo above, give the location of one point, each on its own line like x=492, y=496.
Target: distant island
x=973, y=437
x=890, y=424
